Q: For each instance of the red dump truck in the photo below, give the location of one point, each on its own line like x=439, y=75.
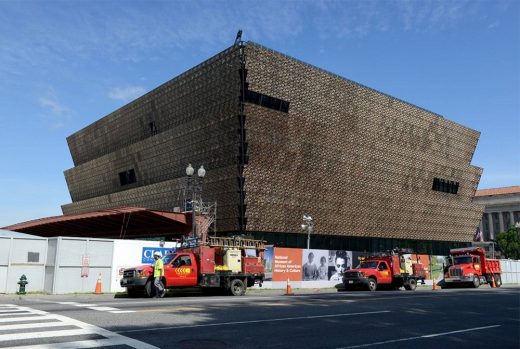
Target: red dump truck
x=231, y=264
x=469, y=267
x=386, y=270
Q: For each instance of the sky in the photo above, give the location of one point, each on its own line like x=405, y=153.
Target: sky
x=66, y=64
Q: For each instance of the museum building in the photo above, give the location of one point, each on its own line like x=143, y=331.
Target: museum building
x=280, y=138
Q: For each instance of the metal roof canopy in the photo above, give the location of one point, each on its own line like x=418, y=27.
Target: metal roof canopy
x=119, y=223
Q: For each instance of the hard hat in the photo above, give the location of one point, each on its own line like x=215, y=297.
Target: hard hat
x=157, y=253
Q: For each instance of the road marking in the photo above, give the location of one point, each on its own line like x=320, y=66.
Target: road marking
x=76, y=328
x=419, y=337
x=11, y=313
x=102, y=308
x=32, y=325
x=96, y=307
x=29, y=317
x=5, y=311
x=93, y=343
x=44, y=334
x=256, y=321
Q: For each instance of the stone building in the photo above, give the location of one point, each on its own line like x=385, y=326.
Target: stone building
x=502, y=210
x=280, y=138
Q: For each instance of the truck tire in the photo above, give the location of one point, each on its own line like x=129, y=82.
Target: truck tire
x=476, y=282
x=148, y=288
x=411, y=285
x=372, y=284
x=132, y=292
x=237, y=287
x=498, y=280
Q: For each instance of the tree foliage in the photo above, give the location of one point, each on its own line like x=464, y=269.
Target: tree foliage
x=509, y=243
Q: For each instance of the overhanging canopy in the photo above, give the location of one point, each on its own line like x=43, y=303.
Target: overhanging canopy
x=119, y=223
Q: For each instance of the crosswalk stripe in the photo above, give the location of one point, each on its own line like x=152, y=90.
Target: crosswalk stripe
x=43, y=334
x=33, y=325
x=82, y=328
x=13, y=312
x=9, y=310
x=85, y=305
x=93, y=343
x=121, y=311
x=29, y=317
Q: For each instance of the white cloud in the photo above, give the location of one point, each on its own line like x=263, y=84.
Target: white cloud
x=126, y=94
x=54, y=106
x=59, y=114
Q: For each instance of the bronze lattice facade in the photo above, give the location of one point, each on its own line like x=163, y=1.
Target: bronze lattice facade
x=280, y=138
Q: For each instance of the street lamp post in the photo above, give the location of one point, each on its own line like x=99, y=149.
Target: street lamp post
x=308, y=225
x=193, y=187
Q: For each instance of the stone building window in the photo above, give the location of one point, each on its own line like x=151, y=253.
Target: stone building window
x=496, y=222
x=516, y=217
x=485, y=227
x=506, y=217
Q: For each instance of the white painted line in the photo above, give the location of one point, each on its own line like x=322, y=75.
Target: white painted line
x=13, y=312
x=30, y=317
x=121, y=311
x=93, y=343
x=256, y=321
x=102, y=308
x=44, y=334
x=68, y=303
x=85, y=305
x=33, y=325
x=418, y=337
x=9, y=310
x=7, y=305
x=111, y=338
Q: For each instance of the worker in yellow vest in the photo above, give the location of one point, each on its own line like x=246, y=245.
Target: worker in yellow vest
x=158, y=273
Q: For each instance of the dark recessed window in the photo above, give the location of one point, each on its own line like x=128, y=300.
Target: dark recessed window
x=127, y=177
x=440, y=184
x=267, y=101
x=153, y=128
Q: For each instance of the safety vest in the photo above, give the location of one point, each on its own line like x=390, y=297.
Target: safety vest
x=158, y=268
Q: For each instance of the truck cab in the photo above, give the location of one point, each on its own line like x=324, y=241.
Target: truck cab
x=378, y=272
x=470, y=267
x=180, y=270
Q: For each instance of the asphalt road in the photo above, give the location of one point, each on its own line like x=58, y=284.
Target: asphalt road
x=465, y=318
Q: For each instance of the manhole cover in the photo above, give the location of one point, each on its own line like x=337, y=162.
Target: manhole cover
x=201, y=344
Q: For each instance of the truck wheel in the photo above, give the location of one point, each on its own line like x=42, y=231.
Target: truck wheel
x=411, y=286
x=476, y=282
x=372, y=284
x=148, y=289
x=237, y=287
x=132, y=292
x=498, y=280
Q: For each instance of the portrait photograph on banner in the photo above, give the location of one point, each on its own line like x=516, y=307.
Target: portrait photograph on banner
x=315, y=265
x=339, y=261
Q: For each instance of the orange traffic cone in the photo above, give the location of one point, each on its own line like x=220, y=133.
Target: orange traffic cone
x=434, y=287
x=98, y=285
x=288, y=291
x=493, y=285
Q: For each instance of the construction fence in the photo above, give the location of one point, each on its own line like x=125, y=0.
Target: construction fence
x=73, y=265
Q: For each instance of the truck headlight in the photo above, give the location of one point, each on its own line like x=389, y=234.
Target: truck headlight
x=140, y=274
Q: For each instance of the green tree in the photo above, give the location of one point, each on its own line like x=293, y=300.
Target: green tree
x=509, y=243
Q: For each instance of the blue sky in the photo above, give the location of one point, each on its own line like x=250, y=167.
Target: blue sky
x=65, y=64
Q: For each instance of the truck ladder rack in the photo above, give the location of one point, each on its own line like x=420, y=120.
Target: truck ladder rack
x=235, y=242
